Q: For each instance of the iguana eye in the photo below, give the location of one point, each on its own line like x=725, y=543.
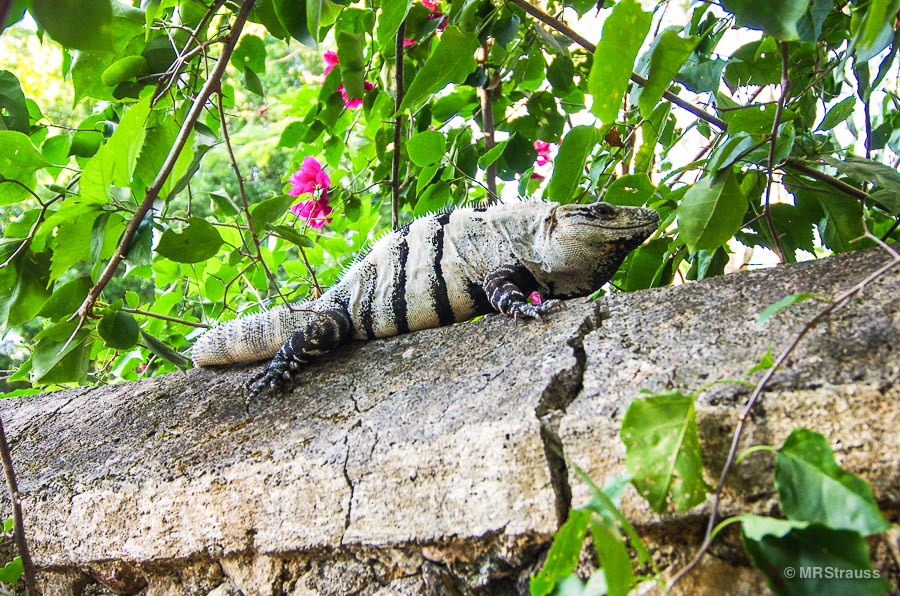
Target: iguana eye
x=603, y=210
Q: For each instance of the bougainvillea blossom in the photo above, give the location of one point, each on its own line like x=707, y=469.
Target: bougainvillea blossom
x=543, y=149
x=354, y=102
x=331, y=60
x=314, y=212
x=310, y=179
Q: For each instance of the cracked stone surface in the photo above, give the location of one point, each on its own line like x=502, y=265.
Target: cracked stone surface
x=439, y=462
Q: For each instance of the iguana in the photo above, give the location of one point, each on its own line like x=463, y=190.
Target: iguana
x=439, y=269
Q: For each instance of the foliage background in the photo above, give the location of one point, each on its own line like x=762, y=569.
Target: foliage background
x=145, y=175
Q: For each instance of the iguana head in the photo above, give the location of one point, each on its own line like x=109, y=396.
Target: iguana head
x=583, y=245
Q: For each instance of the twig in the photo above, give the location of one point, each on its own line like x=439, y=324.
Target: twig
x=773, y=142
x=571, y=34
x=4, y=10
x=18, y=526
x=398, y=127
x=244, y=202
x=145, y=313
x=485, y=94
x=87, y=307
x=810, y=171
x=833, y=307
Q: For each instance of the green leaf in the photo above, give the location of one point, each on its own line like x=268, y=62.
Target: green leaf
x=392, y=14
x=197, y=242
x=66, y=299
x=433, y=199
x=321, y=15
x=623, y=33
x=777, y=18
x=875, y=28
x=711, y=212
x=518, y=155
x=124, y=69
x=612, y=557
x=350, y=33
x=568, y=167
x=733, y=149
x=12, y=571
x=13, y=111
x=270, y=210
x=563, y=555
x=19, y=160
x=78, y=24
x=838, y=113
x=165, y=352
x=292, y=235
x=866, y=169
x=631, y=189
x=250, y=81
x=491, y=156
x=426, y=147
x=114, y=164
x=667, y=55
x=663, y=450
x=292, y=16
x=776, y=307
x=250, y=53
x=813, y=487
x=118, y=329
x=799, y=559
x=602, y=503
x=450, y=62
x=56, y=359
x=25, y=283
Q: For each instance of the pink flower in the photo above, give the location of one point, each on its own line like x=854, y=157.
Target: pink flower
x=543, y=149
x=436, y=13
x=534, y=297
x=536, y=176
x=314, y=212
x=309, y=179
x=331, y=60
x=353, y=102
x=407, y=42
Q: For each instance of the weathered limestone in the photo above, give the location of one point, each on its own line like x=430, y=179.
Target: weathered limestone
x=436, y=463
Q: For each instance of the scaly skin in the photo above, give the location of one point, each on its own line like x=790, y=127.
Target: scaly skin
x=438, y=270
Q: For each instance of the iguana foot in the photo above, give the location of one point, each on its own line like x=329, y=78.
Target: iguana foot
x=532, y=311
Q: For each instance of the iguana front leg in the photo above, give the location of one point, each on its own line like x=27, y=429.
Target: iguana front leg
x=323, y=332
x=504, y=288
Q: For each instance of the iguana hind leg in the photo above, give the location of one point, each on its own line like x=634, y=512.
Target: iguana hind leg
x=324, y=332
x=505, y=288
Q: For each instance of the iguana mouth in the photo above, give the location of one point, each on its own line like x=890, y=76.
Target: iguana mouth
x=634, y=227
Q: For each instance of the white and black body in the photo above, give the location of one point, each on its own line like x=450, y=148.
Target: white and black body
x=439, y=269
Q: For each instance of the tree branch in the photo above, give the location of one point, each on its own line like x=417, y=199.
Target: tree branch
x=810, y=171
x=773, y=143
x=87, y=307
x=398, y=127
x=18, y=526
x=574, y=36
x=485, y=94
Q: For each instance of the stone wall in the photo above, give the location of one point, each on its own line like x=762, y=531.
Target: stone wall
x=440, y=462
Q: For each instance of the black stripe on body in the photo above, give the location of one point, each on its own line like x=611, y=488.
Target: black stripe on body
x=368, y=278
x=440, y=296
x=398, y=299
x=479, y=298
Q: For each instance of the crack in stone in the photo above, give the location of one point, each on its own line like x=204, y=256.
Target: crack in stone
x=350, y=485
x=561, y=390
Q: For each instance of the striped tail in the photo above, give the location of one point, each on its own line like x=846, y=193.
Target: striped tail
x=251, y=338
